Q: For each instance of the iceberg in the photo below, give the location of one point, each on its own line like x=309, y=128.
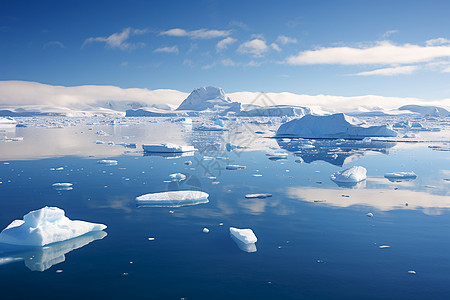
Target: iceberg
x=167, y=148
x=210, y=128
x=209, y=98
x=400, y=175
x=275, y=111
x=244, y=238
x=337, y=126
x=45, y=226
x=173, y=198
x=351, y=175
x=7, y=121
x=177, y=176
x=434, y=111
x=62, y=185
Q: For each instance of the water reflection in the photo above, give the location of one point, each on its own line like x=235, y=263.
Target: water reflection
x=43, y=258
x=335, y=152
x=381, y=199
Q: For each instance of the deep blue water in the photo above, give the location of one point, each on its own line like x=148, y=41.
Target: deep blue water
x=312, y=242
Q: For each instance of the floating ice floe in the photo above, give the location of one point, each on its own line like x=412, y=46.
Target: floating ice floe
x=211, y=128
x=277, y=156
x=62, y=186
x=370, y=215
x=177, y=176
x=45, y=226
x=331, y=127
x=108, y=162
x=351, y=175
x=205, y=230
x=244, y=238
x=235, y=167
x=261, y=196
x=167, y=148
x=400, y=175
x=173, y=199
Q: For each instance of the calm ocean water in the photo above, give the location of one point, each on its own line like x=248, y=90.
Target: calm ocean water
x=314, y=238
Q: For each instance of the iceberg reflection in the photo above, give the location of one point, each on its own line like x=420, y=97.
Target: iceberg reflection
x=43, y=258
x=250, y=248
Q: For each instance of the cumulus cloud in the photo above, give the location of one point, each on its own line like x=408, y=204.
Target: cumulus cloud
x=197, y=34
x=173, y=49
x=256, y=47
x=438, y=41
x=284, y=40
x=390, y=71
x=275, y=47
x=382, y=53
x=223, y=44
x=118, y=40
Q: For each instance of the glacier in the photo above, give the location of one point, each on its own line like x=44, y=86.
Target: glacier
x=45, y=226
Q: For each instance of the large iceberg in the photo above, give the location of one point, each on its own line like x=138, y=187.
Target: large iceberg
x=173, y=198
x=167, y=148
x=351, y=175
x=45, y=226
x=244, y=238
x=434, y=111
x=337, y=126
x=209, y=98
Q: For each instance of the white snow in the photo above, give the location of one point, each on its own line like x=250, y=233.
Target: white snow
x=401, y=175
x=45, y=226
x=350, y=175
x=7, y=121
x=167, y=148
x=177, y=176
x=173, y=198
x=332, y=126
x=261, y=196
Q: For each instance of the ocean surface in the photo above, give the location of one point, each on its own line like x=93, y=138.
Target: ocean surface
x=315, y=239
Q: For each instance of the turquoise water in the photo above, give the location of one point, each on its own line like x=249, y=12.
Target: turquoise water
x=314, y=238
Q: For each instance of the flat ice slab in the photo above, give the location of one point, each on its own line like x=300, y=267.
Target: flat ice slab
x=337, y=126
x=45, y=226
x=173, y=198
x=177, y=176
x=111, y=162
x=167, y=148
x=401, y=175
x=261, y=196
x=350, y=175
x=244, y=238
x=235, y=167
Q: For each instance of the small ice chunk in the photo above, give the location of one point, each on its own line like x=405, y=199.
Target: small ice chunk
x=173, y=198
x=167, y=148
x=370, y=215
x=62, y=185
x=412, y=272
x=261, y=196
x=178, y=176
x=353, y=174
x=111, y=162
x=384, y=246
x=235, y=167
x=244, y=238
x=205, y=230
x=188, y=163
x=45, y=226
x=401, y=175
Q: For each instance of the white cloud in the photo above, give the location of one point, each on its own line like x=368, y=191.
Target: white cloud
x=173, y=49
x=383, y=53
x=197, y=34
x=284, y=40
x=256, y=47
x=390, y=71
x=223, y=44
x=275, y=47
x=389, y=33
x=229, y=63
x=437, y=42
x=188, y=62
x=118, y=40
x=54, y=43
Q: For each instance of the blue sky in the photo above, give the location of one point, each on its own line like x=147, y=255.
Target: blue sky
x=347, y=48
